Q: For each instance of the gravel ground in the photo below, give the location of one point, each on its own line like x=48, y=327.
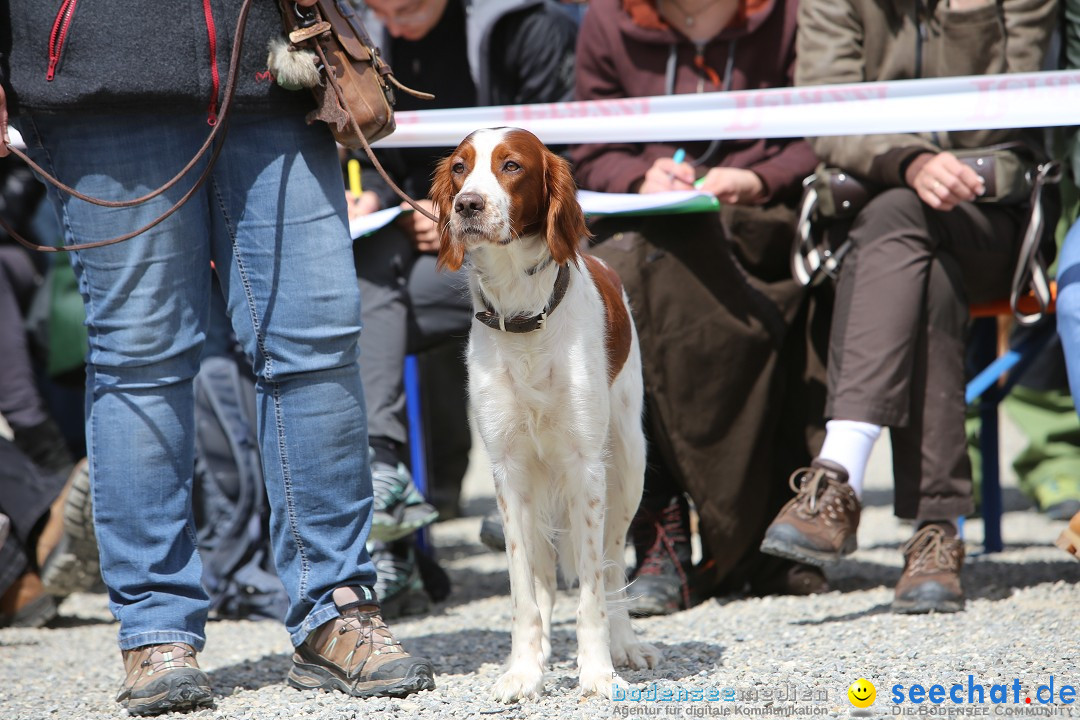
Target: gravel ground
x=772, y=653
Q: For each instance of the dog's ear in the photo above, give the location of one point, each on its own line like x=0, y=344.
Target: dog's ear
x=451, y=250
x=564, y=226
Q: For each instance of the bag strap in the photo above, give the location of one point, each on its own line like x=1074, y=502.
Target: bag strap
x=1030, y=271
x=219, y=129
x=811, y=261
x=363, y=140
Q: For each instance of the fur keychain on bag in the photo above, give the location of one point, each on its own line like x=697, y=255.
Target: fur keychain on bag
x=293, y=68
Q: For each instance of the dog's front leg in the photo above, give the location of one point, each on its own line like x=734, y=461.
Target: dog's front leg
x=587, y=527
x=524, y=676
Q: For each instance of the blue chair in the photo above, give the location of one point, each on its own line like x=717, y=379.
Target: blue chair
x=990, y=387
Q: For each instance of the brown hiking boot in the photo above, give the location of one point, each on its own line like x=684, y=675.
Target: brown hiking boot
x=818, y=525
x=163, y=678
x=357, y=654
x=931, y=579
x=1069, y=540
x=26, y=604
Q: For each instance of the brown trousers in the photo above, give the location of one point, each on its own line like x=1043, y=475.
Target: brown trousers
x=896, y=353
x=733, y=359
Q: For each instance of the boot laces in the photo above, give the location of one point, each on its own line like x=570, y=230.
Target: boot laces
x=809, y=484
x=168, y=655
x=370, y=629
x=929, y=551
x=670, y=529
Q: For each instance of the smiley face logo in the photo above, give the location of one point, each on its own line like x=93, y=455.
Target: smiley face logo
x=861, y=693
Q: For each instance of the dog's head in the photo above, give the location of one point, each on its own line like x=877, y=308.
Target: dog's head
x=501, y=186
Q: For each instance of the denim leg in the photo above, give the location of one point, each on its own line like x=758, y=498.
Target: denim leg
x=1068, y=307
x=145, y=314
x=280, y=230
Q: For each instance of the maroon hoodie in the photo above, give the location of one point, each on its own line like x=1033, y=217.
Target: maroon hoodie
x=617, y=58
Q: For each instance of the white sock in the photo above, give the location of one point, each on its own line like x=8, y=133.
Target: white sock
x=849, y=443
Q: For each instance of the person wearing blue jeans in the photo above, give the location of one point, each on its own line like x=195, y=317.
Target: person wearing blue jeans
x=272, y=220
x=1068, y=323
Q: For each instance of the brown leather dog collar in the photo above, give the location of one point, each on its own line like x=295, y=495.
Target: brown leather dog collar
x=527, y=323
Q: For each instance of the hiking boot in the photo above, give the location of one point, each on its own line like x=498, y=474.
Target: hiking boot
x=26, y=604
x=398, y=585
x=661, y=535
x=818, y=525
x=491, y=532
x=71, y=564
x=400, y=509
x=357, y=654
x=1069, y=540
x=163, y=678
x=931, y=578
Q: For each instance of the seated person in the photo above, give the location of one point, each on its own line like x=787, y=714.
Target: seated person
x=36, y=433
x=1068, y=301
x=923, y=248
x=467, y=54
x=729, y=369
x=46, y=515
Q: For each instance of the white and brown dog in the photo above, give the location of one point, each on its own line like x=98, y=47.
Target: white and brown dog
x=555, y=385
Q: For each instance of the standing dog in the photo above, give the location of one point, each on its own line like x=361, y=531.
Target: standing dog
x=555, y=385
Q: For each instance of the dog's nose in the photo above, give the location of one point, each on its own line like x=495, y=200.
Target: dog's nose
x=469, y=203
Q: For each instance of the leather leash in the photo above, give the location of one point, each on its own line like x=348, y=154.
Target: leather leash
x=219, y=129
x=363, y=140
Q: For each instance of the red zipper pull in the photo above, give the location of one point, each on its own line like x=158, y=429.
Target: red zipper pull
x=211, y=33
x=58, y=35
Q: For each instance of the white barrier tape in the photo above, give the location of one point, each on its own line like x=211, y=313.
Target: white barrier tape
x=1044, y=99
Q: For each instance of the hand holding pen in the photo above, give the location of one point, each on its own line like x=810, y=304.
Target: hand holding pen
x=668, y=174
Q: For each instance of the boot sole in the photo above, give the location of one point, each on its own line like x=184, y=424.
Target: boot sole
x=922, y=607
x=36, y=614
x=305, y=676
x=185, y=693
x=810, y=556
x=1069, y=541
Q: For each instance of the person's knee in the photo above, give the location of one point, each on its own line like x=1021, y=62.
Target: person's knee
x=890, y=211
x=157, y=362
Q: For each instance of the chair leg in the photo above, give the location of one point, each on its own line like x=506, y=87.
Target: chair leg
x=417, y=444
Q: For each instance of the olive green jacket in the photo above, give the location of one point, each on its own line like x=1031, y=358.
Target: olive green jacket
x=849, y=41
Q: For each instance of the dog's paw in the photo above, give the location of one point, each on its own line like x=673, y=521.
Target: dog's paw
x=639, y=656
x=601, y=681
x=519, y=682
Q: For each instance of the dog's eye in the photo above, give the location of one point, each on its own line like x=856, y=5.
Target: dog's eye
x=458, y=168
x=511, y=166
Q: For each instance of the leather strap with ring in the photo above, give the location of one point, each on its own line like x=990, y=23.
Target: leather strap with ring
x=830, y=194
x=1030, y=270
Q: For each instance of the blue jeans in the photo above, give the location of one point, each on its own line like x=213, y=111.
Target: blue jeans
x=272, y=219
x=1068, y=306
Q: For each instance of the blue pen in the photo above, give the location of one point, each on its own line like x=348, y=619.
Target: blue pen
x=678, y=157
